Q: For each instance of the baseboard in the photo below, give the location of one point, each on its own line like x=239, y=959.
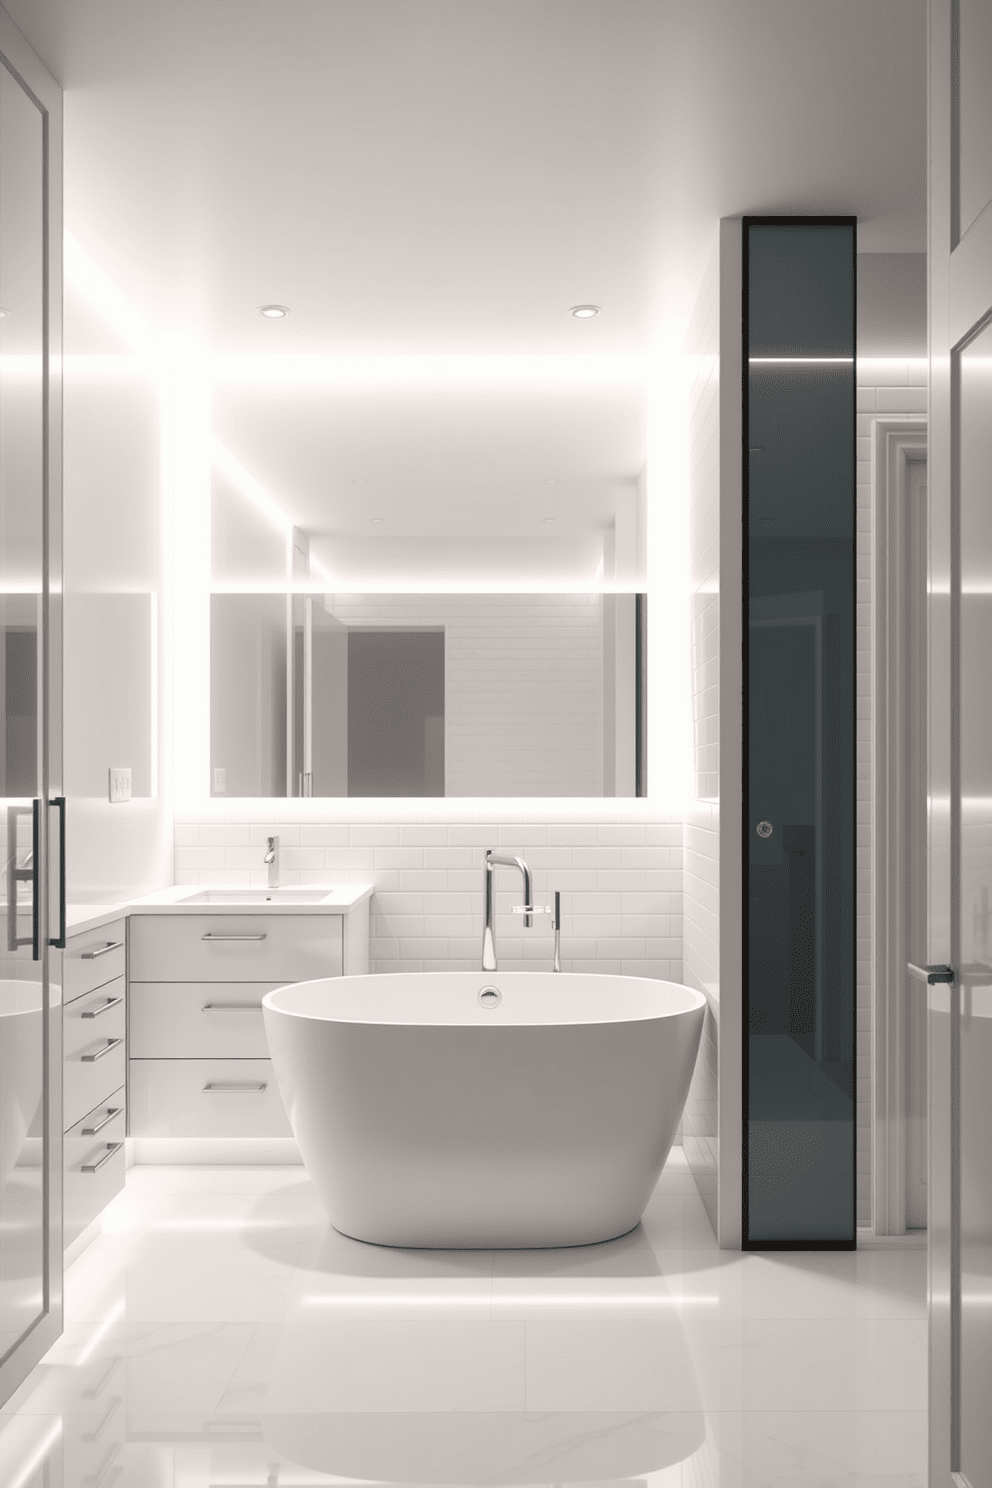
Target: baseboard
x=912, y=1240
x=217, y=1151
x=74, y=1250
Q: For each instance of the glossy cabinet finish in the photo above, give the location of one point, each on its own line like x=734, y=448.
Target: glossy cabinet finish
x=199, y=1059
x=234, y=947
x=198, y=1020
x=206, y=1098
x=93, y=958
x=94, y=1049
x=94, y=1164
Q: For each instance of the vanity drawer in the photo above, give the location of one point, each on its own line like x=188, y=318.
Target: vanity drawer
x=198, y=1020
x=206, y=1098
x=93, y=1049
x=92, y=959
x=270, y=948
x=94, y=1164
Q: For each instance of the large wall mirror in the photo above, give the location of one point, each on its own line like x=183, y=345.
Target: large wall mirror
x=428, y=695
x=423, y=580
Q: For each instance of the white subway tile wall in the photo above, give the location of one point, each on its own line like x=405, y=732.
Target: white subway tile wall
x=620, y=882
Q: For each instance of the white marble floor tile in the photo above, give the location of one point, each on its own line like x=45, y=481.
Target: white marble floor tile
x=828, y=1449
x=219, y=1326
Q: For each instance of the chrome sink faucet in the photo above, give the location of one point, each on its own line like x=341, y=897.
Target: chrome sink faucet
x=495, y=860
x=271, y=860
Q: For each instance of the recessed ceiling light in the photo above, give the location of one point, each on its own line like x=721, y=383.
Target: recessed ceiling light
x=376, y=521
x=274, y=312
x=584, y=312
x=547, y=521
x=550, y=481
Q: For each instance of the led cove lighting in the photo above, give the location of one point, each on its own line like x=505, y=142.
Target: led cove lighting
x=584, y=312
x=274, y=312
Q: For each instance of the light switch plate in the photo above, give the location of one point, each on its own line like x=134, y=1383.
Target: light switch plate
x=220, y=780
x=120, y=783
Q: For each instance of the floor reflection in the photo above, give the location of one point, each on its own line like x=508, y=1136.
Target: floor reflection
x=218, y=1335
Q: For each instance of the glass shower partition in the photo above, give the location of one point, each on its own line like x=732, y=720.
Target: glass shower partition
x=799, y=732
x=33, y=923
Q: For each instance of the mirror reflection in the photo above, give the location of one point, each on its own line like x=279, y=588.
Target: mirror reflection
x=427, y=694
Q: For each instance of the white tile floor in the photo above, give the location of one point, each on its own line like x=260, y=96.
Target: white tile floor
x=219, y=1334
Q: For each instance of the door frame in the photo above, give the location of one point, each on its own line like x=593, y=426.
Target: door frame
x=896, y=440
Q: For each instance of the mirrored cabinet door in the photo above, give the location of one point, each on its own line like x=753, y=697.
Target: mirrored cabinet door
x=30, y=1043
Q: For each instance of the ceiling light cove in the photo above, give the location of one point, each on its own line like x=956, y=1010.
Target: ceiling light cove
x=273, y=312
x=584, y=312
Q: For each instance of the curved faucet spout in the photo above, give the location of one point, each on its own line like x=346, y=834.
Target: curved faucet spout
x=497, y=860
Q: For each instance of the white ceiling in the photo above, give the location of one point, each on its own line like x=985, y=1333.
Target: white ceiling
x=442, y=176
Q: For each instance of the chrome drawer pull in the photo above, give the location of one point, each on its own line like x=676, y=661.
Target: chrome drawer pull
x=238, y=1087
x=112, y=1111
x=112, y=1147
x=211, y=936
x=110, y=1044
x=112, y=945
x=111, y=1002
x=231, y=1007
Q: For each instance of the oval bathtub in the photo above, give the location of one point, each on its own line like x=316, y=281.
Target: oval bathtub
x=430, y=1112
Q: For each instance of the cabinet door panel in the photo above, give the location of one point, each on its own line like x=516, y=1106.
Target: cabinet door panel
x=206, y=1098
x=235, y=948
x=93, y=959
x=198, y=1020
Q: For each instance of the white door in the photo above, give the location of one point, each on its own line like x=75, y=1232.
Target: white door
x=960, y=787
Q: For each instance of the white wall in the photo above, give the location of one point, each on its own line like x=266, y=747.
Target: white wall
x=701, y=847
x=115, y=620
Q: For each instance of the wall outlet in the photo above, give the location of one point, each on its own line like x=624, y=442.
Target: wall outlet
x=220, y=780
x=120, y=783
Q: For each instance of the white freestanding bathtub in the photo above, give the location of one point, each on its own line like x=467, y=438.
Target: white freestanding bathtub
x=484, y=1109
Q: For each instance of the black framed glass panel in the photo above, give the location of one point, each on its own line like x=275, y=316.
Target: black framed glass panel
x=799, y=732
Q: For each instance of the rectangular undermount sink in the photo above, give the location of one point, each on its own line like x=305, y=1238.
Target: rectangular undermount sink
x=287, y=895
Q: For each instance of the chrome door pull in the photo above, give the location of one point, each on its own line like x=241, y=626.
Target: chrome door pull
x=237, y=1087
x=932, y=974
x=112, y=1147
x=112, y=1111
x=104, y=950
x=231, y=1007
x=211, y=936
x=110, y=1044
x=111, y=1002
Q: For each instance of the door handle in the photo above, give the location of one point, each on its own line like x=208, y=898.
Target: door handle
x=931, y=974
x=59, y=941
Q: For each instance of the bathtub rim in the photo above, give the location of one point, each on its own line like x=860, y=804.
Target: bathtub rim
x=694, y=1001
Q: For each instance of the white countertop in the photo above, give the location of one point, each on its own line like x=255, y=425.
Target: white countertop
x=185, y=899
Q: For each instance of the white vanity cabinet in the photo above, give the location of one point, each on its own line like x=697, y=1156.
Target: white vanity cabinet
x=94, y=1073
x=199, y=1063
